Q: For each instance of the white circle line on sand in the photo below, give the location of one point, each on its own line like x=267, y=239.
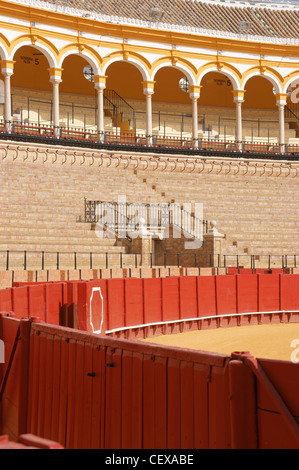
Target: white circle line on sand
x=181, y=320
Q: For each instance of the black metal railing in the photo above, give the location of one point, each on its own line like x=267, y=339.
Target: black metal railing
x=120, y=218
x=46, y=260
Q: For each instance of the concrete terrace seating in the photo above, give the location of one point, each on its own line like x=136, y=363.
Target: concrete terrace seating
x=41, y=204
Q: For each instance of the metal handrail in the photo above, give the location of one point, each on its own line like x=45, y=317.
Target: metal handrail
x=210, y=259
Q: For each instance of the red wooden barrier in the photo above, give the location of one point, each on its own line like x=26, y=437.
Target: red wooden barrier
x=6, y=300
x=269, y=293
x=226, y=291
x=207, y=302
x=188, y=297
x=94, y=294
x=152, y=289
x=20, y=301
x=134, y=302
x=247, y=293
x=170, y=299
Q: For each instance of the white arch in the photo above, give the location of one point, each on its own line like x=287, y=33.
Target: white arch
x=4, y=55
x=275, y=82
x=86, y=55
x=289, y=82
x=228, y=73
x=40, y=47
x=181, y=67
x=131, y=60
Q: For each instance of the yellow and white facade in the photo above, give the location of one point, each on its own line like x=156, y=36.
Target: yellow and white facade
x=44, y=49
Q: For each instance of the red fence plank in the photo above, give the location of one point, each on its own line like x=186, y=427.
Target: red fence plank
x=20, y=302
x=289, y=292
x=152, y=289
x=36, y=300
x=116, y=303
x=226, y=292
x=170, y=298
x=188, y=297
x=6, y=300
x=133, y=302
x=268, y=287
x=247, y=293
x=206, y=288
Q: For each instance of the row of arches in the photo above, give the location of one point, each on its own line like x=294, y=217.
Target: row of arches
x=129, y=75
x=100, y=64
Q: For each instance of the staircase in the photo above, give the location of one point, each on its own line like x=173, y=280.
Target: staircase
x=121, y=112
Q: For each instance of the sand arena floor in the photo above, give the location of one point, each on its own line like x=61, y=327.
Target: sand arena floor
x=262, y=341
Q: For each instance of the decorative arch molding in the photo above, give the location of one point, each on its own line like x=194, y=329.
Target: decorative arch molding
x=289, y=79
x=37, y=42
x=84, y=51
x=130, y=57
x=267, y=72
x=4, y=47
x=226, y=69
x=177, y=63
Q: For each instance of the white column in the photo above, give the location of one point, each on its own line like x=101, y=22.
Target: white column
x=7, y=72
x=239, y=99
x=194, y=95
x=100, y=86
x=148, y=90
x=56, y=81
x=281, y=128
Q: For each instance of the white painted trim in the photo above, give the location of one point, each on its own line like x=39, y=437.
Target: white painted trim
x=96, y=289
x=196, y=319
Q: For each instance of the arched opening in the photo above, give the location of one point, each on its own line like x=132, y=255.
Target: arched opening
x=31, y=90
x=78, y=97
x=292, y=106
x=260, y=114
x=172, y=113
x=124, y=99
x=217, y=118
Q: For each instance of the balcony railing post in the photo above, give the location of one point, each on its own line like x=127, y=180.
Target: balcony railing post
x=43, y=260
x=7, y=260
x=57, y=261
x=25, y=260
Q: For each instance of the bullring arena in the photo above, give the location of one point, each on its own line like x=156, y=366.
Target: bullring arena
x=149, y=249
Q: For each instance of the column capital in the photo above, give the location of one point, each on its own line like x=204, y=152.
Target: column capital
x=194, y=91
x=238, y=95
x=281, y=99
x=7, y=67
x=148, y=87
x=100, y=81
x=55, y=74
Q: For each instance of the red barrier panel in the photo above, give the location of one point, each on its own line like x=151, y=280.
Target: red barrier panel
x=56, y=297
x=152, y=291
x=289, y=292
x=20, y=302
x=116, y=303
x=133, y=302
x=36, y=301
x=246, y=271
x=233, y=270
x=273, y=431
x=92, y=294
x=188, y=297
x=170, y=299
x=247, y=293
x=226, y=293
x=206, y=289
x=6, y=300
x=268, y=288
